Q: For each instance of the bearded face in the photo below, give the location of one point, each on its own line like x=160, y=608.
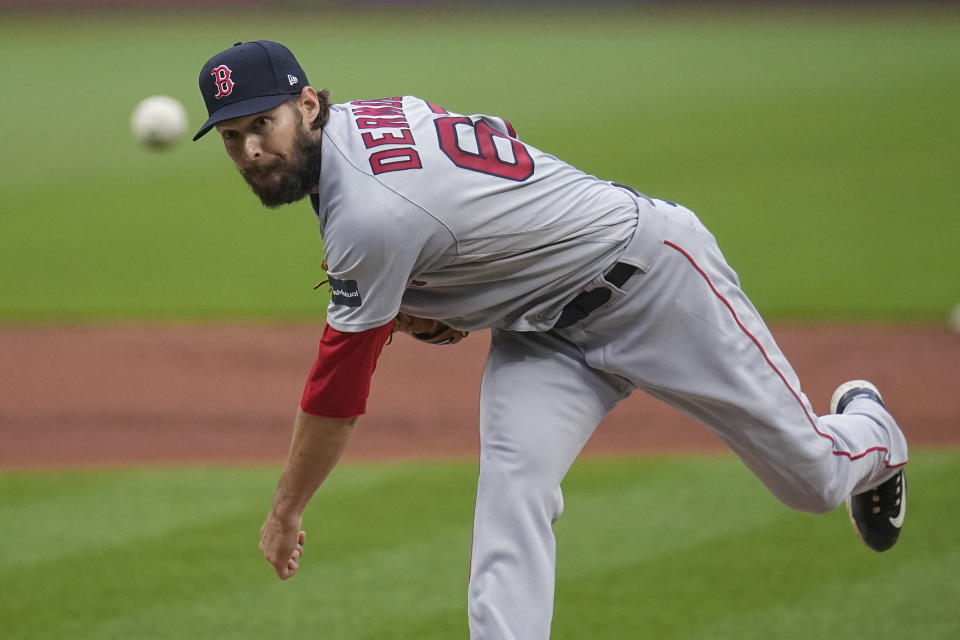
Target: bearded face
x=289, y=177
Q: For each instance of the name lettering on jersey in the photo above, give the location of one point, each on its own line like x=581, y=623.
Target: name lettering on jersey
x=345, y=292
x=370, y=141
x=384, y=124
x=381, y=123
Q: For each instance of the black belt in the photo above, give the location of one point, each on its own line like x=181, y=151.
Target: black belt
x=589, y=301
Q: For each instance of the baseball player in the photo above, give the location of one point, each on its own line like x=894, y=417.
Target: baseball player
x=437, y=224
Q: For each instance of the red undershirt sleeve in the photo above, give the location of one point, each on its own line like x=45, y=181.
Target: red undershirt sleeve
x=339, y=383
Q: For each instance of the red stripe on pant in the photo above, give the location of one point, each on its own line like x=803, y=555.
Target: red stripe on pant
x=796, y=395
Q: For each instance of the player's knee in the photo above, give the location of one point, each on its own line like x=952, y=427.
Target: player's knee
x=530, y=492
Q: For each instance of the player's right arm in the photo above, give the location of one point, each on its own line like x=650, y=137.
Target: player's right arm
x=316, y=447
x=334, y=396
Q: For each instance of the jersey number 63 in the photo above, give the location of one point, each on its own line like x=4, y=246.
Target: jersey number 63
x=495, y=155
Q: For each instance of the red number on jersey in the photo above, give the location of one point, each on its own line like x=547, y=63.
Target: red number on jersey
x=487, y=158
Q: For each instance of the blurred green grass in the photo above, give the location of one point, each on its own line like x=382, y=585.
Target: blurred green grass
x=665, y=547
x=820, y=146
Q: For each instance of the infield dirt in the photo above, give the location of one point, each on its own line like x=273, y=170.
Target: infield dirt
x=120, y=396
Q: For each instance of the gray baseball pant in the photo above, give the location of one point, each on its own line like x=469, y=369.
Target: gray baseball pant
x=682, y=330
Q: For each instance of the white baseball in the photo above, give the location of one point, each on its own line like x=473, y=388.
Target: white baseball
x=159, y=121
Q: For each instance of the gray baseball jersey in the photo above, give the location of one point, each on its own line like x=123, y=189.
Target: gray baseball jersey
x=421, y=210
x=591, y=291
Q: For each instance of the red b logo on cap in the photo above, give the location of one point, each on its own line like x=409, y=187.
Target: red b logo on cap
x=224, y=84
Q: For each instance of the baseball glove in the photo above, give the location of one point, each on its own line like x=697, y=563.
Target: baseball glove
x=426, y=330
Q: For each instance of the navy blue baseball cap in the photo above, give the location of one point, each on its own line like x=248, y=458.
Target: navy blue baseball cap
x=248, y=78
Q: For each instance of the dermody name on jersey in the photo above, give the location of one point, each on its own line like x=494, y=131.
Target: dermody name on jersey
x=384, y=123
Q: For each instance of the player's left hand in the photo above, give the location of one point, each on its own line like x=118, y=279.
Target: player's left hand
x=282, y=545
x=426, y=330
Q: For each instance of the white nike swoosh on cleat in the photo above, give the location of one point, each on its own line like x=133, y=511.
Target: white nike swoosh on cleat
x=898, y=521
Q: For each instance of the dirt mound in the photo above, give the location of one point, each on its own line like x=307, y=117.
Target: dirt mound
x=126, y=396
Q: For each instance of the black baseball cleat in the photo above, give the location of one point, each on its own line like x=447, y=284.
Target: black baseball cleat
x=877, y=514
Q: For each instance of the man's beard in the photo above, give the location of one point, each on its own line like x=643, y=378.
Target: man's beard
x=297, y=175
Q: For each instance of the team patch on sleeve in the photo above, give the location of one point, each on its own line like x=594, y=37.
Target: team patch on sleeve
x=345, y=292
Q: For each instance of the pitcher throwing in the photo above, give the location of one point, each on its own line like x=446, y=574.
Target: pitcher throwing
x=438, y=224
